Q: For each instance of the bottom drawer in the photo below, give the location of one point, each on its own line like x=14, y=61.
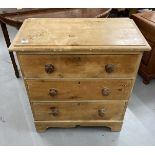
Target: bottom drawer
x=102, y=110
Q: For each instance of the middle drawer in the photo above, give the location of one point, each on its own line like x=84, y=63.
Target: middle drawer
x=83, y=89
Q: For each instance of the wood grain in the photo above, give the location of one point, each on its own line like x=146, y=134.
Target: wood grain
x=89, y=89
x=62, y=33
x=41, y=126
x=112, y=110
x=79, y=91
x=87, y=66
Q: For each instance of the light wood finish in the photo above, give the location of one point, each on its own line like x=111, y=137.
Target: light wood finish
x=79, y=33
x=115, y=126
x=66, y=32
x=79, y=89
x=79, y=72
x=15, y=17
x=107, y=110
x=87, y=66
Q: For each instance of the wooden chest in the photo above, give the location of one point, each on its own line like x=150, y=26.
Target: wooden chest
x=146, y=23
x=79, y=71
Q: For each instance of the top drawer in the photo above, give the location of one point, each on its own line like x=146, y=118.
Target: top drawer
x=79, y=66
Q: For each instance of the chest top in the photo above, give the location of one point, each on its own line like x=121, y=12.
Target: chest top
x=60, y=34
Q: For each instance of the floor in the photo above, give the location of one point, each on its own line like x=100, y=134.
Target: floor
x=16, y=121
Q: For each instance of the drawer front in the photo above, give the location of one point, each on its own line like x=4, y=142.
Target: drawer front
x=109, y=110
x=79, y=66
x=90, y=89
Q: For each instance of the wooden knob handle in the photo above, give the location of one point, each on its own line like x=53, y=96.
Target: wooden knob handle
x=53, y=92
x=109, y=68
x=49, y=68
x=54, y=111
x=105, y=91
x=101, y=112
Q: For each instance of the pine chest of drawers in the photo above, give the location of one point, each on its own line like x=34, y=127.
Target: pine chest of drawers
x=79, y=71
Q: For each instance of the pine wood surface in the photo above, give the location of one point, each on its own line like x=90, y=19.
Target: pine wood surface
x=41, y=126
x=112, y=110
x=79, y=89
x=81, y=32
x=85, y=93
x=87, y=66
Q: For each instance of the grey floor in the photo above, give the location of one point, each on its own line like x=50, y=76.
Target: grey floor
x=16, y=121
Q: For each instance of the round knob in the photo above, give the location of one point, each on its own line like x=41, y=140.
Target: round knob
x=54, y=111
x=101, y=112
x=105, y=91
x=49, y=68
x=53, y=92
x=109, y=68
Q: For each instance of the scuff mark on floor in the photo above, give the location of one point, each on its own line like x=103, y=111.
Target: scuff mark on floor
x=2, y=119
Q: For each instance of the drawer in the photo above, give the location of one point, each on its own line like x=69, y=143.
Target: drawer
x=109, y=110
x=84, y=89
x=79, y=66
